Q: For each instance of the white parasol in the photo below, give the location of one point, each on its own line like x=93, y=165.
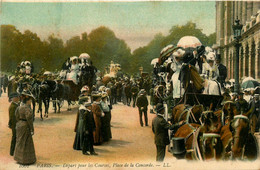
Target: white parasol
x=84, y=56
x=154, y=61
x=189, y=41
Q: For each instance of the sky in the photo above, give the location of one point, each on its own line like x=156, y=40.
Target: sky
x=134, y=22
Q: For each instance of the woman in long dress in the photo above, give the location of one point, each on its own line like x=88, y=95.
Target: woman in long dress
x=105, y=121
x=24, y=150
x=97, y=113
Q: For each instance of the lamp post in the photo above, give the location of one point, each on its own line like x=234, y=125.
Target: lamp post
x=237, y=27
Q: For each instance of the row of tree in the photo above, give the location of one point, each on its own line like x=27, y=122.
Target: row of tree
x=101, y=44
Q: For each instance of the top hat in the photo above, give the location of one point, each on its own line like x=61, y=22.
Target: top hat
x=178, y=148
x=218, y=57
x=200, y=49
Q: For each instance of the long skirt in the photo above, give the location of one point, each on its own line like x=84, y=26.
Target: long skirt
x=106, y=127
x=97, y=133
x=24, y=150
x=79, y=137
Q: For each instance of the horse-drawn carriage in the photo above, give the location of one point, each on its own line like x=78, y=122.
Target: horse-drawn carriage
x=205, y=127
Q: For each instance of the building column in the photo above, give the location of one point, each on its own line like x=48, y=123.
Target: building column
x=257, y=58
x=255, y=7
x=249, y=10
x=222, y=19
x=250, y=57
x=244, y=12
x=241, y=62
x=244, y=59
x=227, y=60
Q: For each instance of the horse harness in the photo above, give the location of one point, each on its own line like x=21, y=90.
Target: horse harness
x=188, y=110
x=195, y=146
x=237, y=137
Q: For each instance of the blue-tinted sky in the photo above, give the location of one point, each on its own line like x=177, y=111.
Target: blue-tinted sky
x=135, y=22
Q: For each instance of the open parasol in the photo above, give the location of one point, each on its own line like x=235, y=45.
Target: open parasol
x=250, y=84
x=189, y=42
x=248, y=78
x=84, y=56
x=154, y=61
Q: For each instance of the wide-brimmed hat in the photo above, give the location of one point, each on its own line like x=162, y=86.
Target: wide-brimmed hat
x=27, y=93
x=142, y=92
x=83, y=99
x=102, y=88
x=159, y=107
x=179, y=53
x=96, y=94
x=104, y=94
x=84, y=89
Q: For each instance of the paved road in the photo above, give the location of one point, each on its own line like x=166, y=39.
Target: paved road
x=131, y=143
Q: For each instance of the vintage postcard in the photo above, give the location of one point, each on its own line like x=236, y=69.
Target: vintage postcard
x=120, y=84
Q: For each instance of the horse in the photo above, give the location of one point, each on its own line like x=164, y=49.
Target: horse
x=200, y=142
x=238, y=142
x=58, y=97
x=72, y=91
x=226, y=113
x=187, y=113
x=86, y=78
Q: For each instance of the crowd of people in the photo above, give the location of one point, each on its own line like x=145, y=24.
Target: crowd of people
x=93, y=120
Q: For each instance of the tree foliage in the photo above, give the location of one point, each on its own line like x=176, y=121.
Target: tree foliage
x=101, y=44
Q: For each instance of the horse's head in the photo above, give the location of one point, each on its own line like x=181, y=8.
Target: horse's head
x=239, y=128
x=197, y=109
x=210, y=121
x=211, y=146
x=229, y=109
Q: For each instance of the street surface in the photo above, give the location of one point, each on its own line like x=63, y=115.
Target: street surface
x=131, y=143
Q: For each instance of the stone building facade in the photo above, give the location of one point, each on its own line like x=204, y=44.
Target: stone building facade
x=248, y=12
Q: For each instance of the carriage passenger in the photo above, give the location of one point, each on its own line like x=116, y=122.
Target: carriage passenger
x=241, y=103
x=176, y=67
x=209, y=68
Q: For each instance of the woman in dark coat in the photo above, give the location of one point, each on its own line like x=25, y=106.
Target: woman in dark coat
x=97, y=113
x=105, y=121
x=80, y=125
x=84, y=128
x=24, y=149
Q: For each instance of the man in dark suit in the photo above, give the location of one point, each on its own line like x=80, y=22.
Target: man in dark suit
x=134, y=91
x=142, y=104
x=14, y=97
x=222, y=71
x=160, y=129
